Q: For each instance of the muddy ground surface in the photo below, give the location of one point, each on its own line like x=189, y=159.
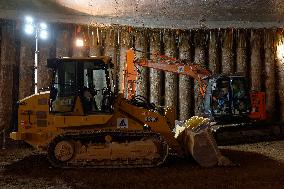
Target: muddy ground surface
x=260, y=165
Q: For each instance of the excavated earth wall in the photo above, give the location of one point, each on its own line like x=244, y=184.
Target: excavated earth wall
x=256, y=53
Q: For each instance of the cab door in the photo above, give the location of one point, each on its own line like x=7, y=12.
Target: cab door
x=64, y=88
x=96, y=88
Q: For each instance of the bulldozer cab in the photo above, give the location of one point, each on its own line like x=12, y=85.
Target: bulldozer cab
x=81, y=86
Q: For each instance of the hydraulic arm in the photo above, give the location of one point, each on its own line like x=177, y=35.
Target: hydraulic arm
x=164, y=63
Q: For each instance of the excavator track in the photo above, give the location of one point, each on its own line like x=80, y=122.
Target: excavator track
x=107, y=149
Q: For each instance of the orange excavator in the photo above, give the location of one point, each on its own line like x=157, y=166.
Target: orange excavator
x=224, y=98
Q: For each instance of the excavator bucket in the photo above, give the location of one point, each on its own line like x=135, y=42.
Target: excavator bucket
x=195, y=137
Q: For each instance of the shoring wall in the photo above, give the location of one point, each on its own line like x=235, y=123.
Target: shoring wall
x=257, y=53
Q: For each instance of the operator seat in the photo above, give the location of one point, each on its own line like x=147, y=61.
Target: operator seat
x=88, y=100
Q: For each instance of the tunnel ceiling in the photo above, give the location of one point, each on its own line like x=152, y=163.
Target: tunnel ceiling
x=153, y=13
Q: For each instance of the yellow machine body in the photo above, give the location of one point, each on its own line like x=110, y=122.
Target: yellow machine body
x=37, y=126
x=82, y=122
x=124, y=135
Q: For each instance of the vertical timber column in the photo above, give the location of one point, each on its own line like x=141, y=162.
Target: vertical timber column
x=8, y=60
x=280, y=73
x=110, y=44
x=269, y=51
x=199, y=58
x=45, y=48
x=256, y=69
x=125, y=42
x=103, y=38
x=227, y=52
x=214, y=64
x=95, y=42
x=170, y=78
x=63, y=38
x=26, y=68
x=185, y=82
x=142, y=80
x=111, y=48
x=242, y=58
x=155, y=75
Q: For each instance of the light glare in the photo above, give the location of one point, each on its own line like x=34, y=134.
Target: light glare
x=79, y=42
x=43, y=34
x=29, y=29
x=280, y=51
x=43, y=26
x=29, y=19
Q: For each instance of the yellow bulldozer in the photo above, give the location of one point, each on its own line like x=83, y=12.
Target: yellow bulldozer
x=82, y=122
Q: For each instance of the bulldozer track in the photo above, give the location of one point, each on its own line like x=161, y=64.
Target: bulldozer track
x=97, y=137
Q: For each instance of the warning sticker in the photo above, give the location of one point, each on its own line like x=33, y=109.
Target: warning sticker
x=180, y=69
x=122, y=123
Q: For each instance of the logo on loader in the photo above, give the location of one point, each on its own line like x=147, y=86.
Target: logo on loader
x=122, y=123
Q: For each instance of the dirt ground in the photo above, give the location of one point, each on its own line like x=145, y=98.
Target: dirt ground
x=260, y=165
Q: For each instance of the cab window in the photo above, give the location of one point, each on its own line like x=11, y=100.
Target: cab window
x=63, y=92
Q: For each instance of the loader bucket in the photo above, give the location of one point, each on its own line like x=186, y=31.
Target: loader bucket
x=195, y=137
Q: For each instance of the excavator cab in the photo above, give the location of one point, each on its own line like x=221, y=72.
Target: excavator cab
x=81, y=86
x=227, y=97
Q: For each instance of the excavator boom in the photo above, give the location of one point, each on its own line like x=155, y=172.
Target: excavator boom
x=163, y=63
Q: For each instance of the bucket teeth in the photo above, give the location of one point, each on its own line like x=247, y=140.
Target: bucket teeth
x=193, y=123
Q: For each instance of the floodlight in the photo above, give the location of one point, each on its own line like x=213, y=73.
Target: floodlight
x=40, y=31
x=43, y=26
x=29, y=29
x=79, y=42
x=29, y=19
x=280, y=51
x=43, y=34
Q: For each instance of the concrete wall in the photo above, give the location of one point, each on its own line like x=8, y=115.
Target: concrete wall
x=256, y=53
